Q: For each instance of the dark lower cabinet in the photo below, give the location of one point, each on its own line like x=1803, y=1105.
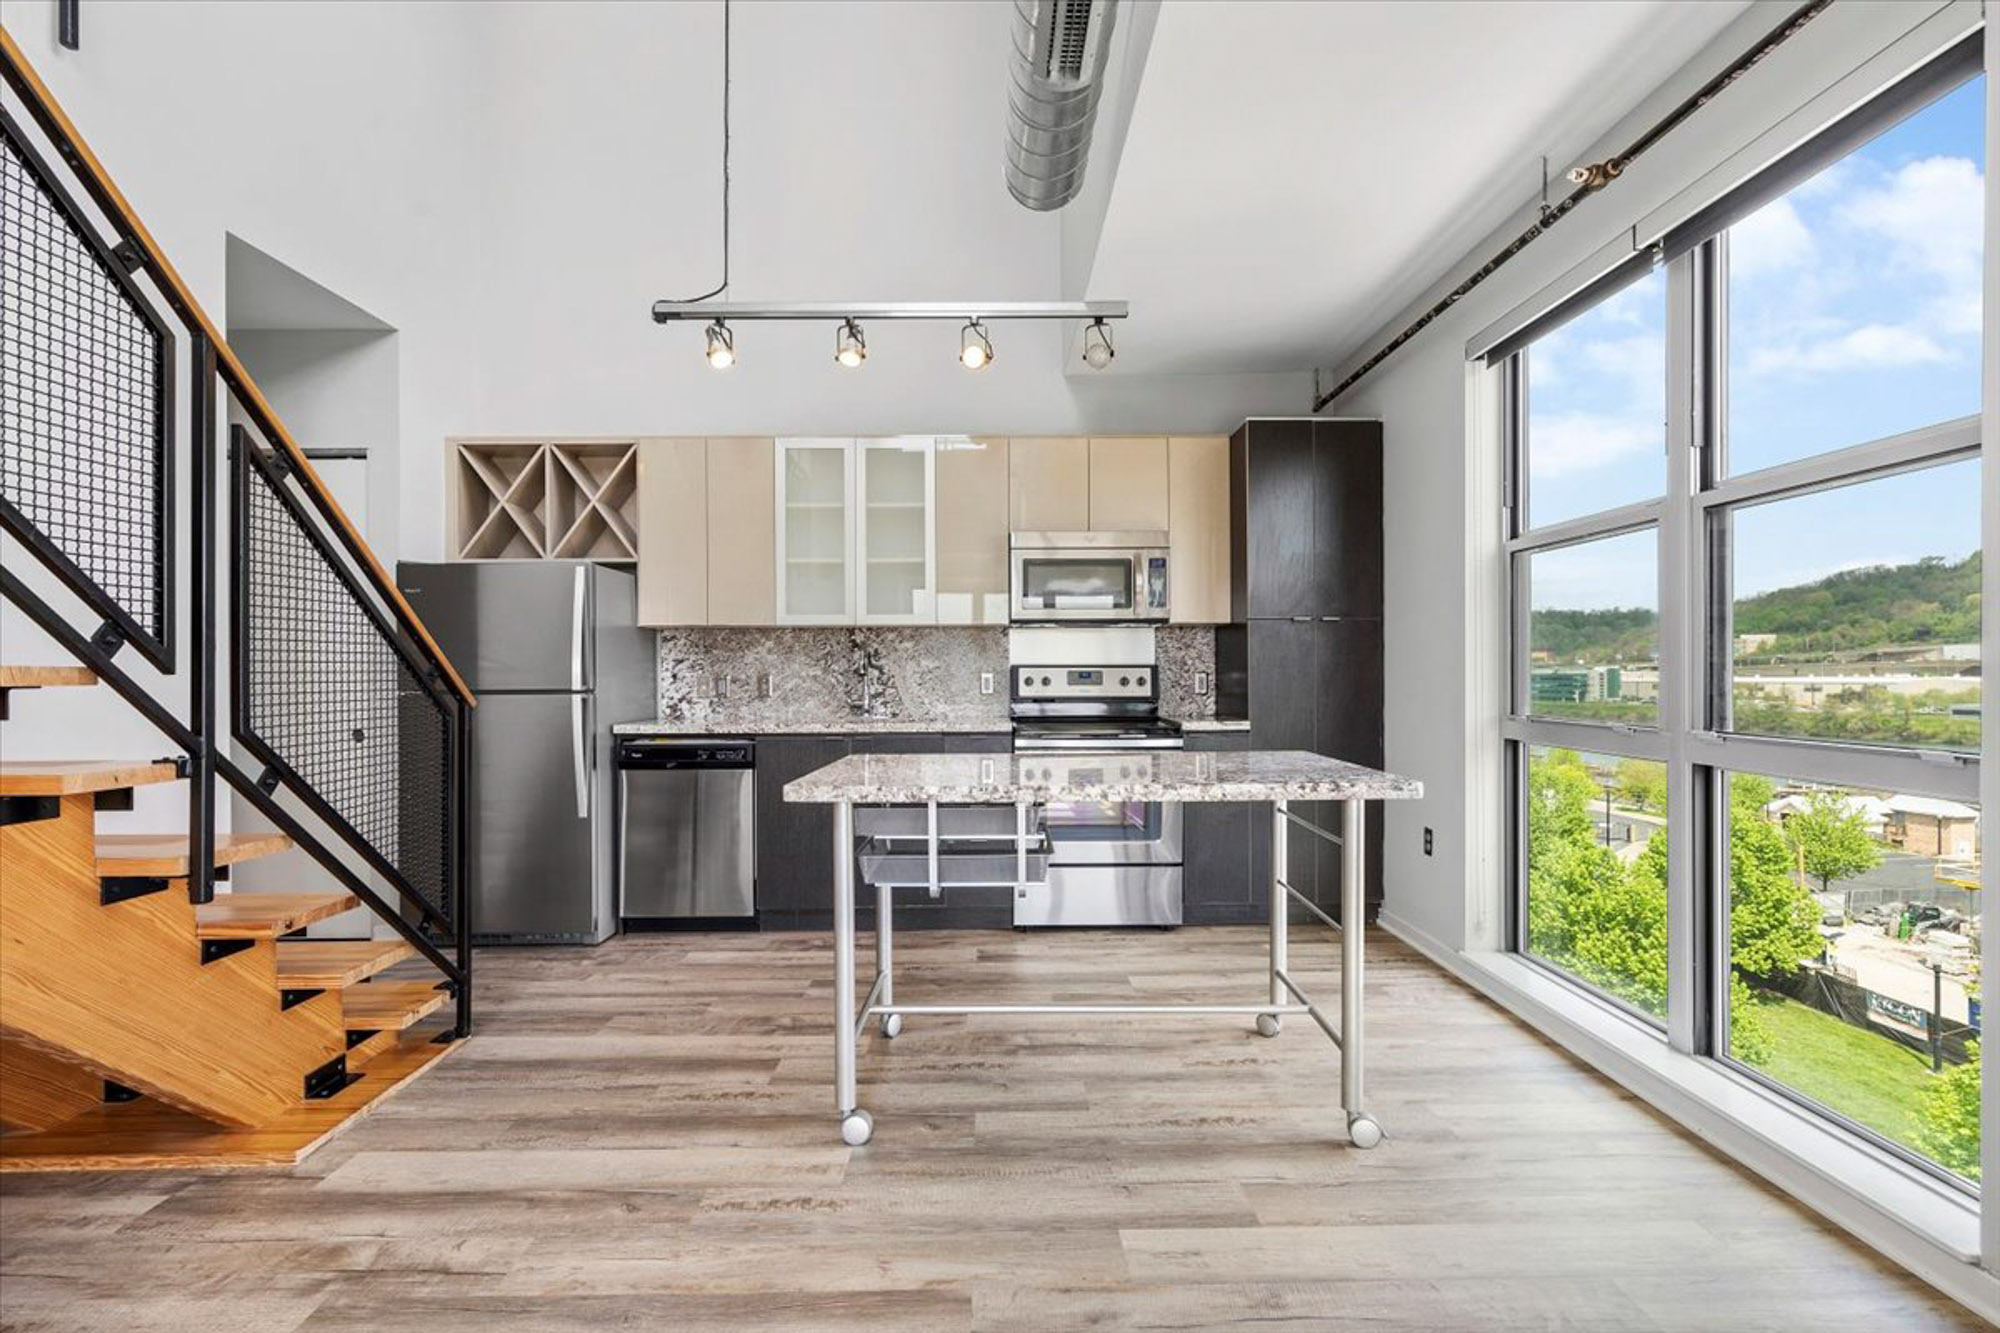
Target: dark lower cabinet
x=1217, y=888
x=795, y=842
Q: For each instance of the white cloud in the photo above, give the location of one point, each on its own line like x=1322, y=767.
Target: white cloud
x=1565, y=443
x=1771, y=240
x=1928, y=215
x=1869, y=347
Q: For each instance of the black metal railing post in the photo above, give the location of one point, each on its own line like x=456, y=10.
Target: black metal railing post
x=461, y=914
x=201, y=617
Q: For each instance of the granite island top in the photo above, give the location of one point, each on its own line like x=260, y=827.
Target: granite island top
x=871, y=726
x=853, y=726
x=1151, y=775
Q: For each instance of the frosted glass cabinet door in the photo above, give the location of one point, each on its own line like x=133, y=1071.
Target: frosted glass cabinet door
x=815, y=531
x=896, y=577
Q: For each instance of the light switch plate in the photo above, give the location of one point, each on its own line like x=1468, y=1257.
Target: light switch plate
x=1201, y=682
x=986, y=682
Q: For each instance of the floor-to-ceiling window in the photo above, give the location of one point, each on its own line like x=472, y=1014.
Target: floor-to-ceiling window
x=1743, y=523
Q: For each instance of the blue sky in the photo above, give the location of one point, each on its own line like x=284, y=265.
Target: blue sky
x=1854, y=308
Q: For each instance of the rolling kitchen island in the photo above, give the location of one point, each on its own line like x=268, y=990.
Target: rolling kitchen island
x=1026, y=782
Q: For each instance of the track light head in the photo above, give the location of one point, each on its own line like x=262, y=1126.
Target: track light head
x=721, y=346
x=850, y=349
x=975, y=346
x=1097, y=348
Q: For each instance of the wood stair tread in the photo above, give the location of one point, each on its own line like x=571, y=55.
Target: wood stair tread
x=167, y=853
x=80, y=777
x=38, y=677
x=330, y=964
x=390, y=1004
x=237, y=916
x=147, y=1135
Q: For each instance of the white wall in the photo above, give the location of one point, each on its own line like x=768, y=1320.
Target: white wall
x=335, y=136
x=867, y=165
x=1441, y=473
x=338, y=389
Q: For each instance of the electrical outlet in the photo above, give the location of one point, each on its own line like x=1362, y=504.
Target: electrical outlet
x=986, y=682
x=1201, y=682
x=1427, y=842
x=766, y=681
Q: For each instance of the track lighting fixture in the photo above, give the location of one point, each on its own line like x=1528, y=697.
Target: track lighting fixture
x=721, y=346
x=850, y=349
x=1097, y=348
x=975, y=346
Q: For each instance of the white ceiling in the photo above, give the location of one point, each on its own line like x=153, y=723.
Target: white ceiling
x=1295, y=173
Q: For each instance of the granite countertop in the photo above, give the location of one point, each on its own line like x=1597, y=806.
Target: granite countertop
x=1215, y=724
x=859, y=726
x=1154, y=775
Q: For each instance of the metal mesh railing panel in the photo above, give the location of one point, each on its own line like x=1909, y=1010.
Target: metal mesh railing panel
x=325, y=691
x=83, y=415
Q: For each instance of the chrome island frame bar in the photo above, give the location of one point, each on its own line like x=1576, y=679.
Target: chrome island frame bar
x=1286, y=996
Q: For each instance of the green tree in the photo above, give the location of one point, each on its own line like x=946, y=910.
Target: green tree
x=1643, y=784
x=1830, y=838
x=1606, y=922
x=1948, y=1121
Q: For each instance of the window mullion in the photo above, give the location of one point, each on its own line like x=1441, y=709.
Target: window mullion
x=1679, y=646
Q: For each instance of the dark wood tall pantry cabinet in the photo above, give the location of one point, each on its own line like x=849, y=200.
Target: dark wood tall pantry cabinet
x=1303, y=658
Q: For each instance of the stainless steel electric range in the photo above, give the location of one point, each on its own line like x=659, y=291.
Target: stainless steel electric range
x=1111, y=863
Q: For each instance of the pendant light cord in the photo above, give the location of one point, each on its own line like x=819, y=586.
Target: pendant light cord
x=724, y=286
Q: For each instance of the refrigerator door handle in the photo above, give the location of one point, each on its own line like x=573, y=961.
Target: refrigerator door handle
x=576, y=709
x=576, y=631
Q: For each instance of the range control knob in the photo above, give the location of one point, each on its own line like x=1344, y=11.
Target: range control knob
x=1045, y=680
x=1142, y=680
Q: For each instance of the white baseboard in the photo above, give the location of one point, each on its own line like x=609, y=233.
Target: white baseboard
x=1927, y=1227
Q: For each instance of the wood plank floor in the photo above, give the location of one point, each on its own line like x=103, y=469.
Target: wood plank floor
x=641, y=1136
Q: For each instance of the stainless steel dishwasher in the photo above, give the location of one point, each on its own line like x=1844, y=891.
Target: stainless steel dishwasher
x=687, y=832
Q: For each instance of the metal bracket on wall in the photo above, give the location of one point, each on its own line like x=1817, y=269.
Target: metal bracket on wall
x=296, y=996
x=130, y=255
x=216, y=950
x=69, y=24
x=329, y=1079
x=108, y=639
x=113, y=889
x=355, y=1036
x=118, y=1092
x=28, y=809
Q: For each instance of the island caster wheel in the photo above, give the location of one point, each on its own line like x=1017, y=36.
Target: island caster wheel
x=892, y=1026
x=1269, y=1025
x=1363, y=1132
x=856, y=1128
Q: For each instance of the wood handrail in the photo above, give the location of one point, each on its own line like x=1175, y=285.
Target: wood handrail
x=78, y=154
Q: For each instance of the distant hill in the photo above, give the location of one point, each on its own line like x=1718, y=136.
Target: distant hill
x=1931, y=601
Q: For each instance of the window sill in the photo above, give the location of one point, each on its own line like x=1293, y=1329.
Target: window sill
x=1923, y=1224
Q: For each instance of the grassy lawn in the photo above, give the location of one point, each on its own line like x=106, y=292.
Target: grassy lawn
x=1873, y=1080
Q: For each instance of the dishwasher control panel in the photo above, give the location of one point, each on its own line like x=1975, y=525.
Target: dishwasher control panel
x=674, y=752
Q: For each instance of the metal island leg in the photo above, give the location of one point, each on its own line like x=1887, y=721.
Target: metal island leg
x=856, y=1125
x=1362, y=1130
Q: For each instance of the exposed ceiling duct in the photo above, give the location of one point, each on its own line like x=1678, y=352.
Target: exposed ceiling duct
x=1055, y=76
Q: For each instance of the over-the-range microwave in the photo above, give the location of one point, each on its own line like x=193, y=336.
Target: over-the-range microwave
x=1088, y=576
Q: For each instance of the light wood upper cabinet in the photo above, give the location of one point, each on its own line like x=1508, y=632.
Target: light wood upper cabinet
x=972, y=507
x=742, y=543
x=1048, y=483
x=673, y=515
x=1198, y=529
x=1128, y=485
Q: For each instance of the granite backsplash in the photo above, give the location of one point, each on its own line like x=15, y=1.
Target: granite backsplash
x=747, y=679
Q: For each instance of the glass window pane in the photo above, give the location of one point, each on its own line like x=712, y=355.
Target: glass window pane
x=1856, y=612
x=1854, y=299
x=1597, y=871
x=1593, y=630
x=1597, y=407
x=1854, y=974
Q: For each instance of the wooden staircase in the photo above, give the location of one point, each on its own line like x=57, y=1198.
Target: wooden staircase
x=139, y=1030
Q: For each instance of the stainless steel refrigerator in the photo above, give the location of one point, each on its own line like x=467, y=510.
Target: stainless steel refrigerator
x=553, y=652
